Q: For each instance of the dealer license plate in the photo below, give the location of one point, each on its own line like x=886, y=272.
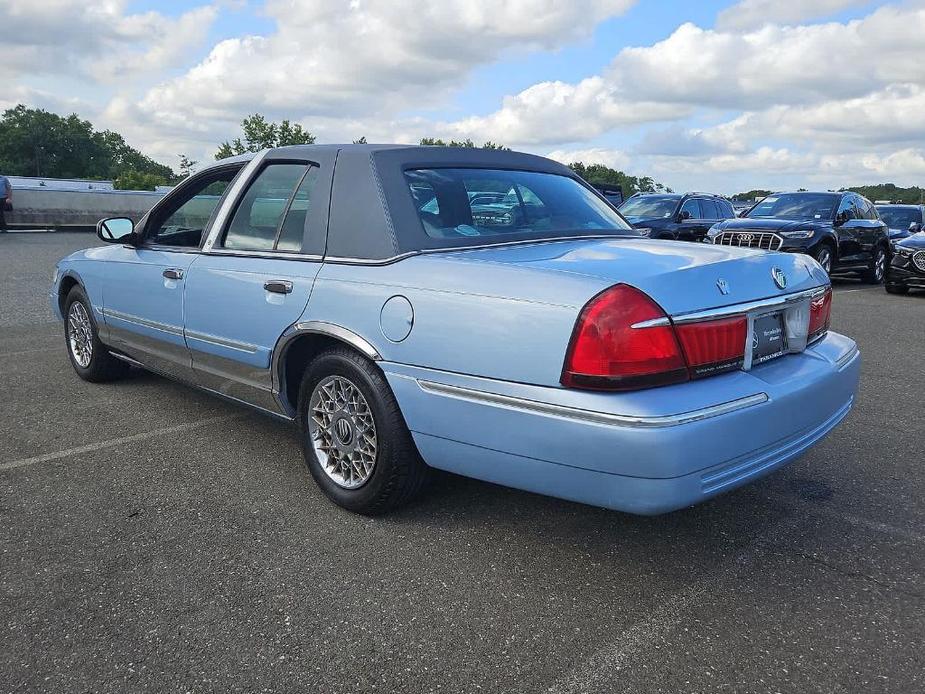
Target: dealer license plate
x=769, y=340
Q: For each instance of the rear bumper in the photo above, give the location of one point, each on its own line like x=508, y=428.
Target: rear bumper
x=646, y=452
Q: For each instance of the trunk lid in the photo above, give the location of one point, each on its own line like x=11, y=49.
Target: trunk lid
x=681, y=276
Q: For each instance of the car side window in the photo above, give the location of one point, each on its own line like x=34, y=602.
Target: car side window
x=709, y=209
x=727, y=210
x=262, y=213
x=691, y=206
x=293, y=227
x=868, y=211
x=846, y=210
x=187, y=213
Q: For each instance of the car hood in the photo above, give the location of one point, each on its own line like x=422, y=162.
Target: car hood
x=913, y=241
x=679, y=275
x=897, y=233
x=770, y=225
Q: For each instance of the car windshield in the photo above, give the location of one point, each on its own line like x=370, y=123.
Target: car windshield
x=460, y=203
x=900, y=217
x=653, y=206
x=797, y=206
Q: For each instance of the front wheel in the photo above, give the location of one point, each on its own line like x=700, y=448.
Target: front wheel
x=823, y=256
x=354, y=439
x=89, y=357
x=874, y=274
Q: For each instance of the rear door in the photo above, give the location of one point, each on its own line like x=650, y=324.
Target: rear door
x=849, y=232
x=255, y=277
x=694, y=227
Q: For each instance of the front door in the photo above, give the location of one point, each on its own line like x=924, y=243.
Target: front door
x=254, y=281
x=848, y=229
x=143, y=289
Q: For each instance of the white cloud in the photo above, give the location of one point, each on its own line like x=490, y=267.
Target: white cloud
x=375, y=56
x=613, y=158
x=95, y=39
x=752, y=14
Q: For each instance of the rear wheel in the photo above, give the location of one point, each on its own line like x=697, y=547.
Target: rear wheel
x=874, y=274
x=89, y=357
x=354, y=438
x=823, y=255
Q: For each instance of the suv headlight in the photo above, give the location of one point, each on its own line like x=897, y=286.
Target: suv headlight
x=803, y=234
x=645, y=231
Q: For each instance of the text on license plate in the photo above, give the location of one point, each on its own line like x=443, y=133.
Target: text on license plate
x=768, y=338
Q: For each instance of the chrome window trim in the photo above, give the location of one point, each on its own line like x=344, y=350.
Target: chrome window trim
x=761, y=305
x=221, y=341
x=591, y=416
x=269, y=254
x=241, y=181
x=144, y=322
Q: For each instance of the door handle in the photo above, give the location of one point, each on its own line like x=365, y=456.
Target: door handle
x=278, y=286
x=173, y=273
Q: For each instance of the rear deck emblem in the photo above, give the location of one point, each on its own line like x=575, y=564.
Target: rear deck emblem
x=723, y=286
x=780, y=279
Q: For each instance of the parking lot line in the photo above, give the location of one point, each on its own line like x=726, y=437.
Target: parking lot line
x=111, y=443
x=601, y=672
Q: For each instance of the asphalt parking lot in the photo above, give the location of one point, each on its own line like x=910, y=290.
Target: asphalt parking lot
x=157, y=539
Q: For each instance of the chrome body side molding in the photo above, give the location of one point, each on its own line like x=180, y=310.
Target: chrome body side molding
x=590, y=416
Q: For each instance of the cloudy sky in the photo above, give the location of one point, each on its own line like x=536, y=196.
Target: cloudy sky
x=705, y=95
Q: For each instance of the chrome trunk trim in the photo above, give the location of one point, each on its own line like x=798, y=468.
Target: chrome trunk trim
x=760, y=305
x=591, y=416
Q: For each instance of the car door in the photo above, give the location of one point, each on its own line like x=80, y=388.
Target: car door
x=143, y=285
x=871, y=229
x=255, y=277
x=848, y=231
x=692, y=226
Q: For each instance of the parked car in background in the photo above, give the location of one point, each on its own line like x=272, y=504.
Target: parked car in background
x=842, y=231
x=907, y=267
x=612, y=193
x=365, y=293
x=902, y=220
x=682, y=217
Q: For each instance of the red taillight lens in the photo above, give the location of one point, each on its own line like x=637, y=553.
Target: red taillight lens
x=713, y=346
x=607, y=352
x=820, y=313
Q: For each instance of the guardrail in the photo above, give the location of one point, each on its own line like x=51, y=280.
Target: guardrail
x=73, y=210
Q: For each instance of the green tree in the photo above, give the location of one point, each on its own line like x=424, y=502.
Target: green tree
x=750, y=195
x=136, y=180
x=890, y=191
x=187, y=166
x=598, y=174
x=35, y=142
x=467, y=143
x=361, y=141
x=258, y=133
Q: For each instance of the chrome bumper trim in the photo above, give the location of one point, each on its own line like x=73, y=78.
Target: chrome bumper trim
x=749, y=307
x=591, y=416
x=844, y=359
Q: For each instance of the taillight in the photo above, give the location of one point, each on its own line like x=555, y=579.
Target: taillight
x=713, y=346
x=820, y=313
x=607, y=352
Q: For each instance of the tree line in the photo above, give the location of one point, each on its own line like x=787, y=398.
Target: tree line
x=35, y=142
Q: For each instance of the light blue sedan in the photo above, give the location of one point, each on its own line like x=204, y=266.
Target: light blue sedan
x=483, y=312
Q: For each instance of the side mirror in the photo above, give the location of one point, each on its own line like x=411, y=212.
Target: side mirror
x=841, y=218
x=684, y=215
x=915, y=227
x=116, y=230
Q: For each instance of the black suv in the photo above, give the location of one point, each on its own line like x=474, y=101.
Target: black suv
x=902, y=220
x=685, y=217
x=841, y=230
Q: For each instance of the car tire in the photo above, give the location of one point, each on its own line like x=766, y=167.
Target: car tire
x=89, y=356
x=354, y=438
x=897, y=289
x=824, y=256
x=877, y=270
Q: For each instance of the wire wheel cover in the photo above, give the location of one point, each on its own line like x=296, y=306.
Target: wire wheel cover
x=342, y=431
x=80, y=334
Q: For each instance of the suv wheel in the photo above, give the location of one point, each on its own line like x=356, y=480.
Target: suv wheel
x=354, y=438
x=823, y=255
x=874, y=274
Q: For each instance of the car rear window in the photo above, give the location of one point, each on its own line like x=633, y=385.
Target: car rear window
x=486, y=204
